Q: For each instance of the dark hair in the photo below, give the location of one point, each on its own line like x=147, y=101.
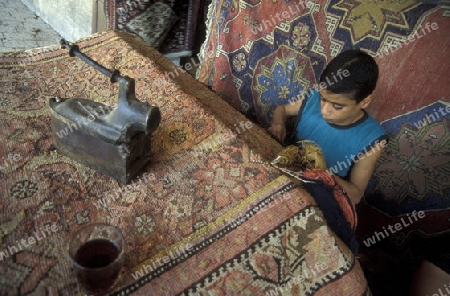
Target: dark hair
x=358, y=82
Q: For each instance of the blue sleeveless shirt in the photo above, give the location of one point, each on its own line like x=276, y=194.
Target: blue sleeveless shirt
x=342, y=146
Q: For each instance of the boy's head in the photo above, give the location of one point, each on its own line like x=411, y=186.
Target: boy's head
x=360, y=79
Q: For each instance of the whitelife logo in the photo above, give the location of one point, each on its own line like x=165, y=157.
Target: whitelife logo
x=26, y=243
x=349, y=161
x=440, y=292
x=9, y=161
x=430, y=118
x=110, y=197
x=378, y=236
x=219, y=139
x=341, y=74
x=182, y=250
x=393, y=48
x=280, y=15
x=93, y=114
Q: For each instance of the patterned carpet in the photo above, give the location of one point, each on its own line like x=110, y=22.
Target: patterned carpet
x=261, y=54
x=208, y=214
x=169, y=25
x=412, y=175
x=257, y=59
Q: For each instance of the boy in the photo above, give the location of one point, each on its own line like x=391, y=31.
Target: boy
x=334, y=118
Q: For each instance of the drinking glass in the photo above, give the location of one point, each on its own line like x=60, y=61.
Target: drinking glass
x=97, y=254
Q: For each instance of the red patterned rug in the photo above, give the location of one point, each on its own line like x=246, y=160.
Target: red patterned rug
x=208, y=214
x=257, y=59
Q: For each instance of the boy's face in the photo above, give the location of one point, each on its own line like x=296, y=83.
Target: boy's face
x=340, y=109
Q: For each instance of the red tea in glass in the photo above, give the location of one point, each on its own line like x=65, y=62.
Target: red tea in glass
x=97, y=256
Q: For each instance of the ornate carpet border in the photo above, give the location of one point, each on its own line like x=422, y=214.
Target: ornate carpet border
x=305, y=213
x=228, y=225
x=232, y=225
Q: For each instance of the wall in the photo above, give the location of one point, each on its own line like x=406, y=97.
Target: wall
x=72, y=19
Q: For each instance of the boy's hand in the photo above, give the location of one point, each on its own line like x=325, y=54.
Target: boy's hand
x=278, y=130
x=278, y=127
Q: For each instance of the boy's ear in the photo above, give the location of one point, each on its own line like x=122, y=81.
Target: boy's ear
x=366, y=102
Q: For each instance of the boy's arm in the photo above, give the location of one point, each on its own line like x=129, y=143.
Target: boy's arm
x=361, y=173
x=278, y=127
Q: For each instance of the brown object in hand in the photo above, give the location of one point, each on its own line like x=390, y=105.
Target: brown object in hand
x=307, y=155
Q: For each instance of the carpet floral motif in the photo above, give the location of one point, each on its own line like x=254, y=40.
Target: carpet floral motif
x=284, y=80
x=414, y=168
x=301, y=35
x=419, y=163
